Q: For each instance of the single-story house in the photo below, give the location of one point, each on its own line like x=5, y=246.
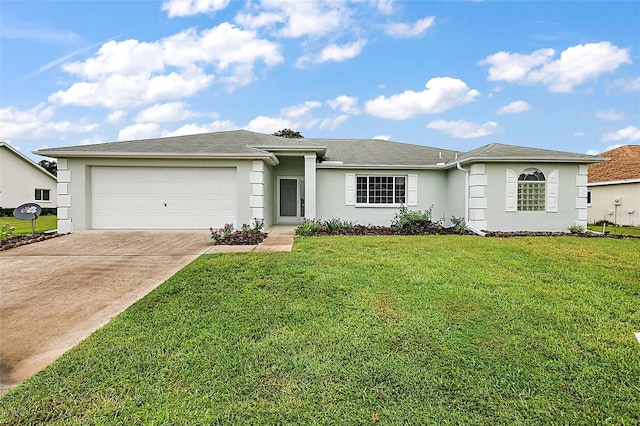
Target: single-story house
x=614, y=187
x=23, y=181
x=210, y=179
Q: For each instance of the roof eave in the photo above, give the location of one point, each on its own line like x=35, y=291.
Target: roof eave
x=527, y=160
x=268, y=157
x=614, y=182
x=380, y=166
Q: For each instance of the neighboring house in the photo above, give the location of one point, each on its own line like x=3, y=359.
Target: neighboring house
x=614, y=187
x=23, y=181
x=235, y=177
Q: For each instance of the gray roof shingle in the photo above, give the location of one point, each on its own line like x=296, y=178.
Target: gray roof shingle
x=335, y=152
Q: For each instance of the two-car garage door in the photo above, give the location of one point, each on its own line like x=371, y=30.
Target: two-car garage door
x=162, y=198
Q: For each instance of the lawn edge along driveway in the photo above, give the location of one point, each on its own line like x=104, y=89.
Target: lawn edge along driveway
x=57, y=292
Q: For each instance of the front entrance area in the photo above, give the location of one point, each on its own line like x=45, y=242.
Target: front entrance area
x=290, y=199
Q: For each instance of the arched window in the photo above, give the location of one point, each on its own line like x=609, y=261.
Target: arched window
x=531, y=190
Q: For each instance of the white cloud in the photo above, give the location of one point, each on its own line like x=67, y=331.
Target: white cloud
x=297, y=111
x=462, y=129
x=575, y=65
x=37, y=123
x=139, y=131
x=346, y=104
x=193, y=7
x=193, y=129
x=384, y=6
x=599, y=151
x=383, y=137
x=116, y=117
x=629, y=133
x=118, y=91
x=629, y=85
x=337, y=53
x=441, y=94
x=400, y=29
x=577, y=134
x=307, y=18
x=333, y=123
x=165, y=113
x=514, y=108
x=268, y=125
x=611, y=115
x=132, y=73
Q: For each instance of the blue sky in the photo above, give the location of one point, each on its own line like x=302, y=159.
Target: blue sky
x=561, y=75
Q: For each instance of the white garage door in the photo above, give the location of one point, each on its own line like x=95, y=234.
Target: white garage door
x=162, y=198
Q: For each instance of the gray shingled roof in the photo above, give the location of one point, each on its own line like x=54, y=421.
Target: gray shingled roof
x=500, y=152
x=376, y=152
x=231, y=142
x=336, y=152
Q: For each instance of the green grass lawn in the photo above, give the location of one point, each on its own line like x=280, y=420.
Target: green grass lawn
x=354, y=330
x=617, y=230
x=43, y=223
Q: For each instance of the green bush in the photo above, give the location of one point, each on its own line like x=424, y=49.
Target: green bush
x=415, y=222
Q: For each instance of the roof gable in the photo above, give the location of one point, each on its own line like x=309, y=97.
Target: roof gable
x=27, y=160
x=497, y=152
x=624, y=164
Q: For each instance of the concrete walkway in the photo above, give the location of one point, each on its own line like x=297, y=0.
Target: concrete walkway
x=279, y=238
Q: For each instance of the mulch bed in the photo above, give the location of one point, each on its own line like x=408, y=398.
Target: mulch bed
x=239, y=238
x=22, y=240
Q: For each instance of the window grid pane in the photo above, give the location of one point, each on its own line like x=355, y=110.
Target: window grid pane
x=361, y=189
x=380, y=189
x=531, y=196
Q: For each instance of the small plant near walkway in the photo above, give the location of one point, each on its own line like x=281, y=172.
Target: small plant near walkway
x=247, y=235
x=7, y=231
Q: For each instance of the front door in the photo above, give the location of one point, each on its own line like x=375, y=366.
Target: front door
x=290, y=199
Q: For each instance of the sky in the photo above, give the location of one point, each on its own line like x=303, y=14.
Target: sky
x=561, y=75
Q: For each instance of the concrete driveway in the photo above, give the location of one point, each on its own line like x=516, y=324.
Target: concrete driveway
x=55, y=293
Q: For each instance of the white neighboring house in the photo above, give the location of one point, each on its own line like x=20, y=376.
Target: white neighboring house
x=23, y=181
x=614, y=187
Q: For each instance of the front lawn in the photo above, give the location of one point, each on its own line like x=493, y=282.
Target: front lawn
x=358, y=330
x=43, y=224
x=617, y=230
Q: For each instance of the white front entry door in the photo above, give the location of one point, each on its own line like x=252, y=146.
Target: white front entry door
x=290, y=199
x=162, y=197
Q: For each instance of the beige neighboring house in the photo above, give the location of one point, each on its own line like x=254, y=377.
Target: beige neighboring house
x=23, y=181
x=614, y=187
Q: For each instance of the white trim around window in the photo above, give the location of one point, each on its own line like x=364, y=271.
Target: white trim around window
x=42, y=194
x=364, y=190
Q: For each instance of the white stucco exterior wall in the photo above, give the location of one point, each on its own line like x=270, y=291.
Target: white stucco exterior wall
x=626, y=211
x=19, y=177
x=571, y=199
x=330, y=195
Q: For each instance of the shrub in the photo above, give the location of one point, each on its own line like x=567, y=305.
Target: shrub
x=602, y=222
x=258, y=225
x=333, y=225
x=219, y=234
x=459, y=224
x=309, y=226
x=6, y=232
x=415, y=222
x=576, y=229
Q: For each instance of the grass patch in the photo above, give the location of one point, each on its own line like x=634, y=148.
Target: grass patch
x=617, y=230
x=355, y=330
x=43, y=224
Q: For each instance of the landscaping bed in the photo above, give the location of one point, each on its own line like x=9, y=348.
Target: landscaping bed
x=239, y=238
x=22, y=240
